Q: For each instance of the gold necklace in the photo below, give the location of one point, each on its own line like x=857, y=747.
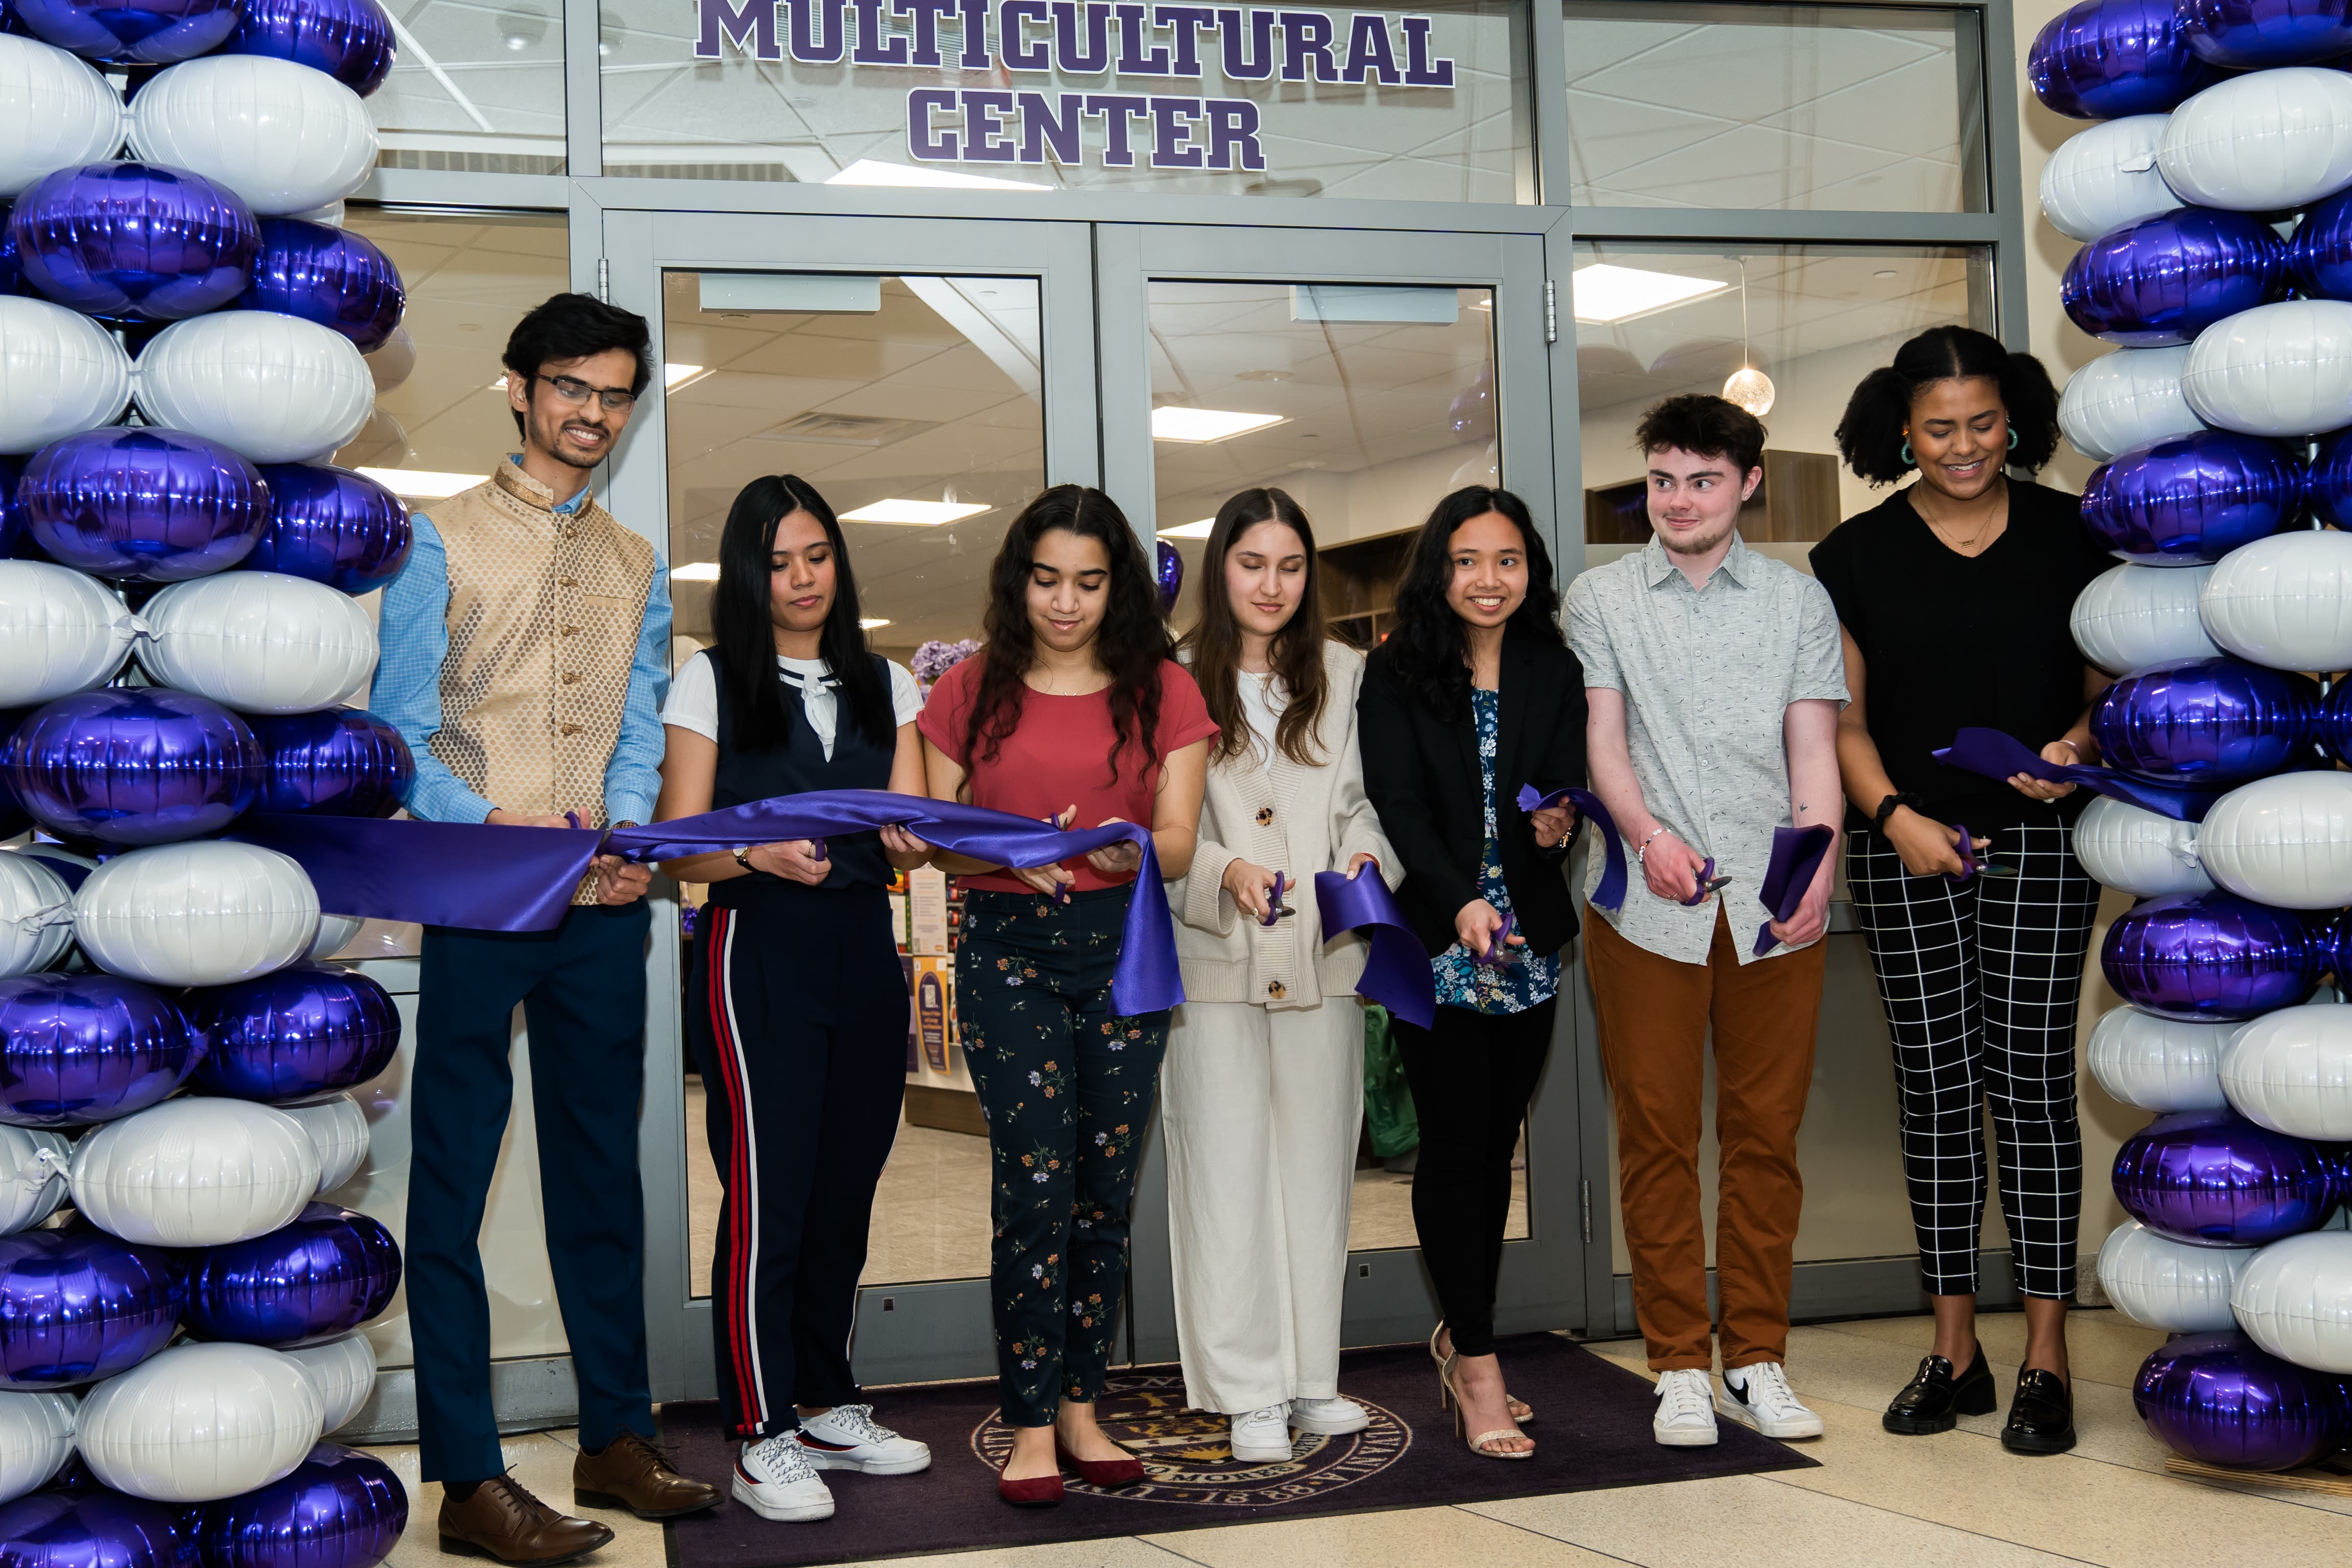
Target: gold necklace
x=1969, y=546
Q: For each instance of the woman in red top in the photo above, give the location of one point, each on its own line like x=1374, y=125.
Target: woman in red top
x=1073, y=711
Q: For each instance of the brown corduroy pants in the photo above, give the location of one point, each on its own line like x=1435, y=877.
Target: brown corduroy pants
x=1654, y=1013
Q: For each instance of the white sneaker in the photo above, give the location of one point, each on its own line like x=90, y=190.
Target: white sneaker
x=1686, y=1416
x=774, y=1479
x=1333, y=1417
x=1263, y=1436
x=1760, y=1396
x=848, y=1437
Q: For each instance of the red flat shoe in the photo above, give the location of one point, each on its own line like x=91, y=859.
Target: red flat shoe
x=1030, y=1491
x=1121, y=1472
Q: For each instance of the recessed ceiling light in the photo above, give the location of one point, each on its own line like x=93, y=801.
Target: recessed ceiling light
x=1261, y=375
x=916, y=513
x=1884, y=272
x=676, y=375
x=1604, y=293
x=1200, y=425
x=873, y=171
x=421, y=484
x=872, y=622
x=696, y=572
x=1190, y=529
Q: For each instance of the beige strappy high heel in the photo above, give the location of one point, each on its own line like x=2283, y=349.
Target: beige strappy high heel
x=1521, y=1411
x=1448, y=1396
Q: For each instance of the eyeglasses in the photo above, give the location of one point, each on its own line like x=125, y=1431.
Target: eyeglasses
x=575, y=392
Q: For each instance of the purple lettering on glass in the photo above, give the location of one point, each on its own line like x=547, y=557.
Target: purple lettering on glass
x=1233, y=134
x=1236, y=29
x=1138, y=56
x=1117, y=109
x=752, y=25
x=1307, y=41
x=1013, y=45
x=924, y=144
x=1369, y=57
x=1069, y=58
x=874, y=45
x=1188, y=21
x=975, y=34
x=928, y=16
x=1419, y=71
x=984, y=128
x=1051, y=123
x=1169, y=131
x=809, y=47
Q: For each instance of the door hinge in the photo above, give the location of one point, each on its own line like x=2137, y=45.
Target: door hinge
x=1551, y=335
x=605, y=279
x=1584, y=1192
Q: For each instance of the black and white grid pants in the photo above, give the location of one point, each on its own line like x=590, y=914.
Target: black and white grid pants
x=1981, y=981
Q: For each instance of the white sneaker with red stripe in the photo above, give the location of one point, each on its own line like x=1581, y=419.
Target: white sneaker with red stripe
x=774, y=1479
x=848, y=1437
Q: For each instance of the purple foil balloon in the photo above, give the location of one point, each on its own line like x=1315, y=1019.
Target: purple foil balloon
x=2319, y=252
x=340, y=280
x=2215, y=1179
x=2106, y=58
x=143, y=505
x=77, y=1305
x=2253, y=34
x=2211, y=720
x=333, y=526
x=14, y=819
x=140, y=32
x=135, y=239
x=296, y=1034
x=339, y=1508
x=77, y=1049
x=12, y=267
x=316, y=1278
x=351, y=40
x=2222, y=1400
x=16, y=542
x=2167, y=278
x=2210, y=957
x=343, y=762
x=1168, y=572
x=2334, y=728
x=137, y=764
x=2190, y=500
x=95, y=1529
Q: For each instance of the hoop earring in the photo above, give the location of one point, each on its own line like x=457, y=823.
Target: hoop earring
x=1911, y=462
x=2012, y=437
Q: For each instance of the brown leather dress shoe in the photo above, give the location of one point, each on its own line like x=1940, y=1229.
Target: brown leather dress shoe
x=631, y=1473
x=503, y=1522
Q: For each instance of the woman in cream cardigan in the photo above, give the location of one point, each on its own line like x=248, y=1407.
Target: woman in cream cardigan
x=1263, y=1079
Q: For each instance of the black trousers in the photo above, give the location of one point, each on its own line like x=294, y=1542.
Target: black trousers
x=796, y=1012
x=1472, y=1076
x=1981, y=981
x=582, y=988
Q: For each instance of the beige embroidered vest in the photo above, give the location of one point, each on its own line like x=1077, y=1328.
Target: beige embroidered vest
x=544, y=616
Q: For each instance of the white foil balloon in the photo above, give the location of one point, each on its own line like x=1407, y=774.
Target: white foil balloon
x=338, y=1129
x=32, y=1176
x=60, y=633
x=35, y=1437
x=2104, y=177
x=200, y=1422
x=36, y=916
x=205, y=912
x=344, y=1372
x=283, y=136
x=271, y=388
x=2131, y=616
x=2136, y=851
x=2284, y=841
x=2295, y=1300
x=2276, y=370
x=60, y=374
x=2160, y=1283
x=260, y=642
x=56, y=112
x=335, y=934
x=2159, y=1064
x=195, y=1172
x=2126, y=399
x=2285, y=601
x=2291, y=1072
x=2262, y=142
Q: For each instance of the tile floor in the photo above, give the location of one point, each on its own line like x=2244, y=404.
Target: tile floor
x=1953, y=1502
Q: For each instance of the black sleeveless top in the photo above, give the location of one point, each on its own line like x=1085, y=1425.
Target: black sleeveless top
x=799, y=765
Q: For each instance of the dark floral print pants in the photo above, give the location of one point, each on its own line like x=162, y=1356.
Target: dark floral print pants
x=1066, y=1087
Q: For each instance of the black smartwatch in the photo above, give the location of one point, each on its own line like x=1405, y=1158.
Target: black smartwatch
x=1886, y=807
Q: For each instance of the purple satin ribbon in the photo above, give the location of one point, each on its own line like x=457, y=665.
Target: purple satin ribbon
x=1609, y=893
x=491, y=878
x=1998, y=756
x=1796, y=858
x=1396, y=969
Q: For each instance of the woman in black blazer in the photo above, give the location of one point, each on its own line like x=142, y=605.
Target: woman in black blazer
x=1473, y=694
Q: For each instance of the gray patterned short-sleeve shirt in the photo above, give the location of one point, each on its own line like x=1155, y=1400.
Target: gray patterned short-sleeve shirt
x=1707, y=678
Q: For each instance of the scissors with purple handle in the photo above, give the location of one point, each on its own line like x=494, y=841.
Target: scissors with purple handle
x=1275, y=908
x=1709, y=884
x=1497, y=953
x=1970, y=867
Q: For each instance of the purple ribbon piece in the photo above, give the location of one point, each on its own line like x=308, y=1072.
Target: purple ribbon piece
x=1609, y=893
x=1396, y=970
x=522, y=879
x=1796, y=858
x=1998, y=756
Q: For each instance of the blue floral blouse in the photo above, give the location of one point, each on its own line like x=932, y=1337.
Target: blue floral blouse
x=1526, y=980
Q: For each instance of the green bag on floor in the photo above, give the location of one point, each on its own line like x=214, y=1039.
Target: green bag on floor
x=1388, y=1103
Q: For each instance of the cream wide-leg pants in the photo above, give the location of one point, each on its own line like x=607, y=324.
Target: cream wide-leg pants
x=1261, y=1109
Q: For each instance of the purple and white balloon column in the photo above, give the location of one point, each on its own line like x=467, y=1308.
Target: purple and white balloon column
x=183, y=330
x=2211, y=198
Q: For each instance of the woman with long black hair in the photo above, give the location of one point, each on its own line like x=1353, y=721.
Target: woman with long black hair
x=1954, y=597
x=1072, y=711
x=1473, y=694
x=796, y=1008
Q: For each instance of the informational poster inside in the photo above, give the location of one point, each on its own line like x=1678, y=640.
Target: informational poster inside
x=928, y=889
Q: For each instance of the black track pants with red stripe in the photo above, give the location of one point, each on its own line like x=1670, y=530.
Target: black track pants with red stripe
x=796, y=1011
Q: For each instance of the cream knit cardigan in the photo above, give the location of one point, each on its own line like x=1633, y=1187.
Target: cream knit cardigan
x=1293, y=819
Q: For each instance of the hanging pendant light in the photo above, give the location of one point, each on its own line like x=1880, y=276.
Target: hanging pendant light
x=1748, y=387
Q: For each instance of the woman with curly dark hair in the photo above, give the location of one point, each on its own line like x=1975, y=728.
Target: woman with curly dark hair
x=1953, y=596
x=1473, y=694
x=1075, y=711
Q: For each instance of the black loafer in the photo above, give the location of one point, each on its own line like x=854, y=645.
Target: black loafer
x=1935, y=1400
x=2040, y=1415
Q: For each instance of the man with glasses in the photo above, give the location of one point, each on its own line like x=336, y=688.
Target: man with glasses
x=525, y=651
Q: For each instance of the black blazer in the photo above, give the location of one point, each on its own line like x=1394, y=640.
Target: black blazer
x=1421, y=774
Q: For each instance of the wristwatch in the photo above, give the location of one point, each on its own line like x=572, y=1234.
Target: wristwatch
x=743, y=857
x=1886, y=807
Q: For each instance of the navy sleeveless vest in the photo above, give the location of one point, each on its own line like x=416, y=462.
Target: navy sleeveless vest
x=798, y=766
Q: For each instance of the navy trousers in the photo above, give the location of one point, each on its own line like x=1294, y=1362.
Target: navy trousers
x=582, y=988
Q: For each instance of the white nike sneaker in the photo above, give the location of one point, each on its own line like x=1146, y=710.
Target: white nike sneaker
x=848, y=1437
x=774, y=1479
x=1760, y=1396
x=1262, y=1437
x=1686, y=1414
x=1333, y=1417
